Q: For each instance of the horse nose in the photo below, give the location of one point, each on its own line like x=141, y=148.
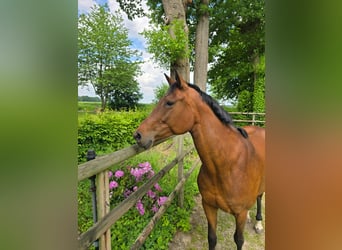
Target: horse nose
x=137, y=136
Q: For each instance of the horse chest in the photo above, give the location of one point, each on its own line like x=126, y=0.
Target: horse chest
x=219, y=191
x=209, y=188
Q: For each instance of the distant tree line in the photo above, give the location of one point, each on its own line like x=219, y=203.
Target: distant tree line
x=89, y=99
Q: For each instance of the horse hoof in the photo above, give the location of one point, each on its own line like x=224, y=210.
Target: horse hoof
x=258, y=227
x=258, y=230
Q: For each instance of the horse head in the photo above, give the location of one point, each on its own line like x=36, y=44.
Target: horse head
x=173, y=114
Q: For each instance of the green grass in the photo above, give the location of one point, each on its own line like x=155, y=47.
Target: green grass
x=89, y=106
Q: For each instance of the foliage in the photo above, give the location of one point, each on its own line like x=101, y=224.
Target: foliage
x=125, y=89
x=107, y=131
x=245, y=103
x=237, y=31
x=237, y=39
x=104, y=56
x=88, y=99
x=163, y=46
x=160, y=91
x=259, y=88
x=133, y=8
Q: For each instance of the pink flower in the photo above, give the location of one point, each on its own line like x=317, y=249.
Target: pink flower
x=157, y=187
x=110, y=174
x=135, y=188
x=141, y=170
x=162, y=200
x=140, y=207
x=151, y=194
x=154, y=209
x=145, y=165
x=118, y=174
x=137, y=173
x=113, y=184
x=127, y=193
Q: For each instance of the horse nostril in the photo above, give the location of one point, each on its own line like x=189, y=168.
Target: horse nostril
x=137, y=136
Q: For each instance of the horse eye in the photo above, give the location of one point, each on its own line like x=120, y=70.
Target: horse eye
x=169, y=103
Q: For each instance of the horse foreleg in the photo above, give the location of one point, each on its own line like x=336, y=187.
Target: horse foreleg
x=211, y=214
x=240, y=221
x=258, y=225
x=249, y=219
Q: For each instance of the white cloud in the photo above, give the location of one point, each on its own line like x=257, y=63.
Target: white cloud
x=151, y=77
x=86, y=90
x=85, y=5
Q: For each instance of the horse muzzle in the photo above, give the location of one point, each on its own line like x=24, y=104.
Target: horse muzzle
x=142, y=141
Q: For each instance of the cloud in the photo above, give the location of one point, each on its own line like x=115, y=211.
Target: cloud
x=152, y=74
x=85, y=5
x=151, y=78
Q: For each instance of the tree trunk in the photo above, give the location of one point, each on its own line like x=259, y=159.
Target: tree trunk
x=103, y=103
x=201, y=46
x=176, y=9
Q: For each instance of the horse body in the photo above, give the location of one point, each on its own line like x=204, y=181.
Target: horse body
x=231, y=177
x=232, y=174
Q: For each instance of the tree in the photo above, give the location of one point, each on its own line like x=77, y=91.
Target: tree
x=259, y=87
x=201, y=45
x=160, y=91
x=88, y=99
x=237, y=31
x=125, y=92
x=236, y=44
x=104, y=56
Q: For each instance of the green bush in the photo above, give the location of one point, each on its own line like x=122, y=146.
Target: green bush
x=108, y=131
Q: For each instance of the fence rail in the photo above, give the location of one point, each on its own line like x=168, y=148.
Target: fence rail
x=250, y=117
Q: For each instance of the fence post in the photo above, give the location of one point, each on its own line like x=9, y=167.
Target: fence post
x=253, y=118
x=103, y=206
x=180, y=170
x=90, y=156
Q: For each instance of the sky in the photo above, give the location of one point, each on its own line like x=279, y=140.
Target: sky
x=152, y=75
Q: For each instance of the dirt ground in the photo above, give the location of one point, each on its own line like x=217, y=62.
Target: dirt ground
x=196, y=238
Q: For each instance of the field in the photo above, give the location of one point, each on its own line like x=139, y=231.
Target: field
x=90, y=107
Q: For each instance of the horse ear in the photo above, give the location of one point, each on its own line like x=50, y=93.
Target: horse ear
x=169, y=79
x=180, y=81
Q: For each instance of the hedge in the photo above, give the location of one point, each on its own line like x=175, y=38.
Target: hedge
x=107, y=131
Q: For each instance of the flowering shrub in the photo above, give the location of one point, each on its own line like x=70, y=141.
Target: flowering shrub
x=124, y=182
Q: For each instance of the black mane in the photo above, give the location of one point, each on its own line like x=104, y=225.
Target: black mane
x=221, y=114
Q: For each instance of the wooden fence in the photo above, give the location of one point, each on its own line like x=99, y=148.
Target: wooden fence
x=98, y=169
x=105, y=217
x=252, y=118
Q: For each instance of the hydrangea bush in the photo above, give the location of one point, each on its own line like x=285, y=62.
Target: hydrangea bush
x=123, y=183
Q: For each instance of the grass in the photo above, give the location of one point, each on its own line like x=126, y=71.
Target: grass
x=89, y=106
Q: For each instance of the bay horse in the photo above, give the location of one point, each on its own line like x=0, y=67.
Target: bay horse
x=232, y=175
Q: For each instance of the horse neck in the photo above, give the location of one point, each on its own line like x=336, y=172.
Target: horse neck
x=208, y=132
